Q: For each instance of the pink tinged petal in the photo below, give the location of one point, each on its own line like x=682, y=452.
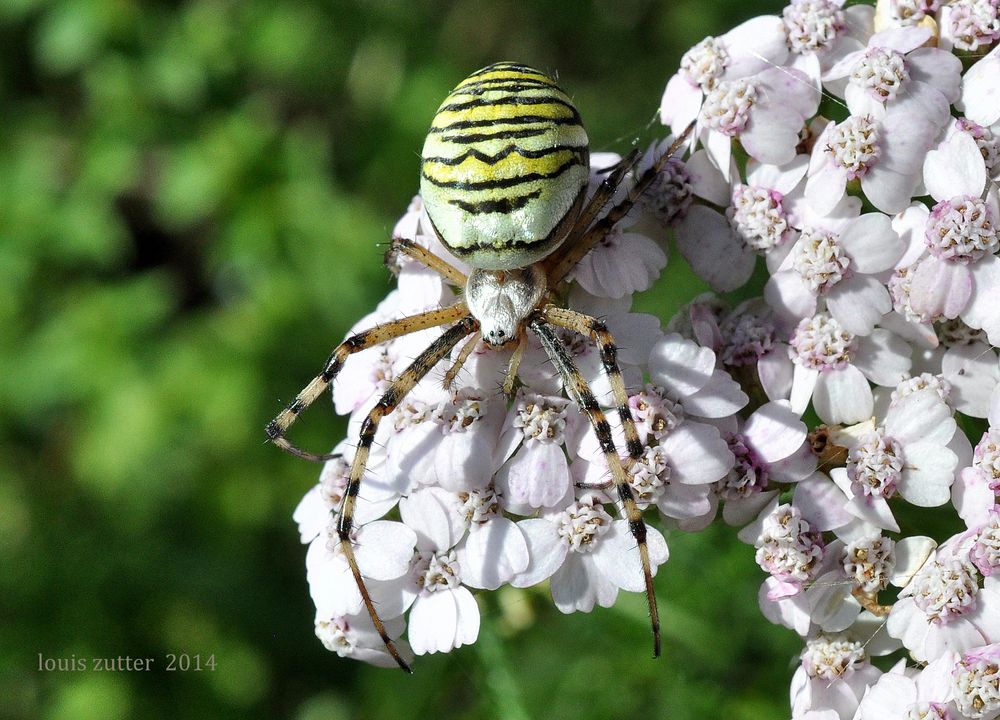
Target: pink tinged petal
x=492, y=554
x=384, y=549
x=872, y=243
x=680, y=366
x=858, y=303
x=775, y=373
x=792, y=612
x=804, y=382
x=844, y=66
x=973, y=373
x=634, y=333
x=410, y=455
x=957, y=168
x=789, y=296
x=706, y=180
x=940, y=288
x=312, y=515
x=740, y=511
x=431, y=513
x=680, y=103
x=901, y=39
x=911, y=553
x=993, y=414
x=713, y=249
x=772, y=134
x=546, y=551
x=433, y=623
x=920, y=417
x=821, y=502
x=720, y=398
x=843, y=396
x=538, y=475
x=927, y=476
x=981, y=90
x=719, y=149
x=972, y=497
x=697, y=453
x=578, y=585
x=755, y=45
x=617, y=556
x=784, y=178
x=884, y=358
x=775, y=431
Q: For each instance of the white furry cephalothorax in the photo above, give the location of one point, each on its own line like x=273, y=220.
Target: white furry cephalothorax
x=501, y=300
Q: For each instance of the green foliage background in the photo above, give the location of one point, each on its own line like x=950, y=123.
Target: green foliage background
x=192, y=195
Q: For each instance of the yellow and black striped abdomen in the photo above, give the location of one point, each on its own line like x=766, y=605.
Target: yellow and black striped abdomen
x=504, y=167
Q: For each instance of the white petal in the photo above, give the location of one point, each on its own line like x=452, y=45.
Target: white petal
x=843, y=396
x=577, y=585
x=537, y=476
x=872, y=243
x=940, y=288
x=617, y=556
x=858, y=303
x=681, y=366
x=911, y=553
x=804, y=381
x=492, y=554
x=981, y=90
x=884, y=358
x=433, y=623
x=431, y=513
x=775, y=372
x=821, y=502
x=775, y=431
x=384, y=549
x=920, y=417
x=973, y=373
x=706, y=180
x=720, y=398
x=957, y=168
x=697, y=453
x=546, y=551
x=713, y=249
x=468, y=617
x=312, y=515
x=927, y=476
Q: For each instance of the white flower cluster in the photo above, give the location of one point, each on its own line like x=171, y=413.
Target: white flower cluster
x=880, y=228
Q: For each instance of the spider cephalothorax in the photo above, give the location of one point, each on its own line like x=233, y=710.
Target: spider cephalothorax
x=503, y=178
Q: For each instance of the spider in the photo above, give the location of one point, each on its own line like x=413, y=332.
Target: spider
x=504, y=177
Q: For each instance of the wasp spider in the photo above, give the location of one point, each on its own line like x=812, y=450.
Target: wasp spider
x=504, y=177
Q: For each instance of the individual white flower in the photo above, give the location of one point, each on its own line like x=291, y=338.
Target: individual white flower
x=493, y=550
x=976, y=682
x=354, y=636
x=969, y=24
x=747, y=49
x=943, y=608
x=833, y=675
x=896, y=64
x=907, y=453
x=588, y=555
x=532, y=448
x=832, y=368
x=839, y=267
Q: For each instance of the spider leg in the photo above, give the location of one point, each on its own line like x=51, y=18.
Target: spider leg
x=399, y=388
x=515, y=362
x=578, y=389
x=402, y=246
x=363, y=340
x=597, y=331
x=560, y=267
x=605, y=191
x=463, y=355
